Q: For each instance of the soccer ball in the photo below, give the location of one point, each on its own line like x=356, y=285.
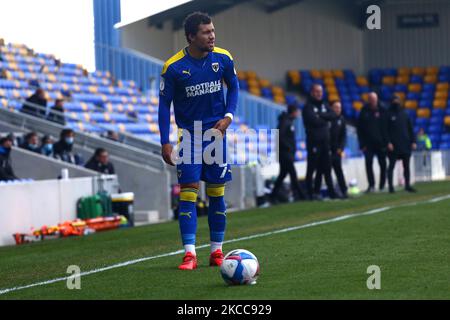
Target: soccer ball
x=240, y=267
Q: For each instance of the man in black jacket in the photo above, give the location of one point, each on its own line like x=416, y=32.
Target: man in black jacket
x=338, y=136
x=316, y=118
x=57, y=113
x=6, y=170
x=401, y=142
x=62, y=150
x=100, y=162
x=372, y=136
x=287, y=150
x=36, y=104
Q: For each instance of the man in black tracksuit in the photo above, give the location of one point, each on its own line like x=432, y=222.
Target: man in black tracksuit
x=373, y=140
x=338, y=135
x=287, y=150
x=317, y=118
x=401, y=142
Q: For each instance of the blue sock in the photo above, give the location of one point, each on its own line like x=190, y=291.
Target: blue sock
x=188, y=215
x=217, y=218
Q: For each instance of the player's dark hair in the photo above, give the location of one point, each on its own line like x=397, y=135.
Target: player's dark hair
x=193, y=21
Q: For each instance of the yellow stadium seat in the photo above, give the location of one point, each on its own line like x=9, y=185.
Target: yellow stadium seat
x=442, y=86
x=251, y=75
x=253, y=83
x=316, y=74
x=447, y=121
x=327, y=74
x=440, y=103
x=276, y=90
x=418, y=71
x=402, y=80
x=362, y=81
x=328, y=81
x=333, y=97
x=432, y=70
x=411, y=104
x=430, y=78
x=388, y=80
x=264, y=83
x=279, y=99
x=403, y=71
x=365, y=97
x=414, y=87
x=401, y=95
x=332, y=90
x=338, y=74
x=441, y=95
x=357, y=105
x=423, y=113
x=255, y=91
x=241, y=75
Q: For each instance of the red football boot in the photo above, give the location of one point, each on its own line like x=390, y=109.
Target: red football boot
x=216, y=258
x=189, y=262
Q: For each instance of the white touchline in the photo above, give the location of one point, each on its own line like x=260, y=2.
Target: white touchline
x=259, y=235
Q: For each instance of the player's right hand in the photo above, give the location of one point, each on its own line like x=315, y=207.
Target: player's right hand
x=166, y=151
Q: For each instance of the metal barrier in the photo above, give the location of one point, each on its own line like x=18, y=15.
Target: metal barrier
x=431, y=165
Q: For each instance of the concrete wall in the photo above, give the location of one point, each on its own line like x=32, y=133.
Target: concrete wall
x=395, y=47
x=311, y=34
x=39, y=203
x=28, y=164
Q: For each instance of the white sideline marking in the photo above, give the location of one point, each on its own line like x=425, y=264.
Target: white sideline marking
x=259, y=235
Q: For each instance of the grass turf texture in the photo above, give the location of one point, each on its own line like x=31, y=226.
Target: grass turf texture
x=410, y=244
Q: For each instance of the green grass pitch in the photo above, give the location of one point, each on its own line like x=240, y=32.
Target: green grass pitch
x=410, y=243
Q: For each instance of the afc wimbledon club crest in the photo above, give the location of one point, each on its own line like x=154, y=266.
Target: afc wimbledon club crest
x=215, y=66
x=161, y=84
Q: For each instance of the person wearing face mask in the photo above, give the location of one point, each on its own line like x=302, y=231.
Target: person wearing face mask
x=317, y=119
x=100, y=162
x=31, y=142
x=401, y=142
x=47, y=146
x=62, y=150
x=6, y=170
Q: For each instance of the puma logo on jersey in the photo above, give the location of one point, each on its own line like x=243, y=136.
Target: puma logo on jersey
x=187, y=214
x=187, y=72
x=221, y=213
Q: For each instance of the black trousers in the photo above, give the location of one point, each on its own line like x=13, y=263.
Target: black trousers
x=319, y=163
x=287, y=168
x=381, y=156
x=336, y=163
x=406, y=171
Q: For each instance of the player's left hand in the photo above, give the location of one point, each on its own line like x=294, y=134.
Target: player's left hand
x=222, y=125
x=414, y=146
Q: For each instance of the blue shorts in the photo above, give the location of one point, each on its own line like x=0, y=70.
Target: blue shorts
x=214, y=173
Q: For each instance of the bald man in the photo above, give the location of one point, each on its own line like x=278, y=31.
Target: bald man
x=373, y=139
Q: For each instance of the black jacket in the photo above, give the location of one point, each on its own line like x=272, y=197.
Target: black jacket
x=338, y=134
x=400, y=130
x=63, y=151
x=316, y=118
x=55, y=116
x=32, y=110
x=372, y=131
x=6, y=170
x=95, y=165
x=286, y=129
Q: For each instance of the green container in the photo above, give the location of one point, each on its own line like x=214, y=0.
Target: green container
x=90, y=207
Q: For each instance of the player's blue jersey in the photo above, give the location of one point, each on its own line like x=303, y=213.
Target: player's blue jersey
x=196, y=88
